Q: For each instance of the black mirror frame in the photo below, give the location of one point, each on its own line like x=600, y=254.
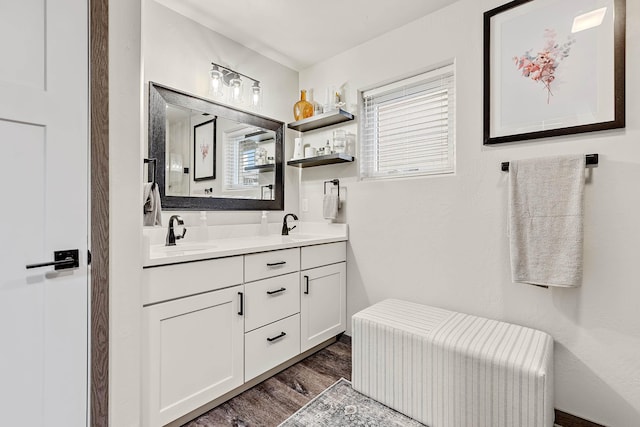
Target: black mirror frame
x=159, y=97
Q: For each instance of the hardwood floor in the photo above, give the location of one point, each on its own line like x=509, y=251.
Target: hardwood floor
x=274, y=400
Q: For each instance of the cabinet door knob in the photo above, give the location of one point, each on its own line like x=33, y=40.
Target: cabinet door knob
x=282, y=334
x=306, y=278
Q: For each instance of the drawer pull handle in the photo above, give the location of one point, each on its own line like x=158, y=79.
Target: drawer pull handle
x=275, y=264
x=241, y=312
x=306, y=278
x=282, y=334
x=277, y=291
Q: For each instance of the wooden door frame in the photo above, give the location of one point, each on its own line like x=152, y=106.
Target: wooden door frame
x=99, y=215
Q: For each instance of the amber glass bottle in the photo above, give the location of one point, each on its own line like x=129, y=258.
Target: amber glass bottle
x=303, y=108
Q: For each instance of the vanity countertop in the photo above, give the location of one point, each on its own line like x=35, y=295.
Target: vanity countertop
x=223, y=241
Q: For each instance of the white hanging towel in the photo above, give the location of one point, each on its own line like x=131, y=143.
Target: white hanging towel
x=546, y=220
x=151, y=208
x=330, y=204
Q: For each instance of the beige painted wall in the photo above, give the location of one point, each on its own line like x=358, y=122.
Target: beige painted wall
x=125, y=222
x=178, y=52
x=437, y=240
x=442, y=240
x=149, y=42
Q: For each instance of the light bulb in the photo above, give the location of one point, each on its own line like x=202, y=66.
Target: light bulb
x=235, y=85
x=256, y=93
x=216, y=82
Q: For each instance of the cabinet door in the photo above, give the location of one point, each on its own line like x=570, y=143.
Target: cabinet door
x=322, y=304
x=194, y=353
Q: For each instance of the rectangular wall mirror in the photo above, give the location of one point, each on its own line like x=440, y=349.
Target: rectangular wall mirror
x=211, y=156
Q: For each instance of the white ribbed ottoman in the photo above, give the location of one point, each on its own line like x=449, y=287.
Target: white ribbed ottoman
x=448, y=369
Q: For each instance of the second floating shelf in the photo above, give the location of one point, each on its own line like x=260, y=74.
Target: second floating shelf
x=327, y=159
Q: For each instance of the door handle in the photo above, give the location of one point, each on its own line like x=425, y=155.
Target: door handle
x=306, y=278
x=277, y=291
x=62, y=260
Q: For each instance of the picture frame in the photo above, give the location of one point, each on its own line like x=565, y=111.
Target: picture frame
x=204, y=151
x=552, y=68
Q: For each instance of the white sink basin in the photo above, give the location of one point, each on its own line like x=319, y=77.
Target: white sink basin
x=184, y=248
x=301, y=237
x=235, y=240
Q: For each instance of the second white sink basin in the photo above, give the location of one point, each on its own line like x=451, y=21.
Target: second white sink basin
x=183, y=248
x=300, y=237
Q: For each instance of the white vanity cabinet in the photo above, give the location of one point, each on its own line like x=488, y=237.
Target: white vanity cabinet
x=323, y=293
x=214, y=327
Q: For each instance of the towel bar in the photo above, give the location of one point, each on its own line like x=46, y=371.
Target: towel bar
x=592, y=159
x=334, y=182
x=152, y=175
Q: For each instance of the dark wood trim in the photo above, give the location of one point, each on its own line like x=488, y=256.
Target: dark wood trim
x=99, y=183
x=567, y=420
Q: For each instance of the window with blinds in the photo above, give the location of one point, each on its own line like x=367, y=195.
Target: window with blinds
x=239, y=155
x=408, y=127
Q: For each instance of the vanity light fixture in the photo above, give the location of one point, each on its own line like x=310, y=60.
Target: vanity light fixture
x=224, y=79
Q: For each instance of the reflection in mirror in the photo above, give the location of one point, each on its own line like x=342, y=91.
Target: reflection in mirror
x=215, y=157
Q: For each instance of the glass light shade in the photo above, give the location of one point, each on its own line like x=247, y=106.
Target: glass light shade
x=215, y=89
x=235, y=89
x=256, y=94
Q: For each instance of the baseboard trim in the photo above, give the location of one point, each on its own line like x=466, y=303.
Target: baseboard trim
x=567, y=420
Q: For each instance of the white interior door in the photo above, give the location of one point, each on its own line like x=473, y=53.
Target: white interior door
x=43, y=176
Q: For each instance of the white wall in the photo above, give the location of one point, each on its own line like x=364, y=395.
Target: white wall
x=178, y=52
x=125, y=222
x=442, y=240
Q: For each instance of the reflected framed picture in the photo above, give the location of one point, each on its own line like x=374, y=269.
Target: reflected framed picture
x=553, y=67
x=204, y=151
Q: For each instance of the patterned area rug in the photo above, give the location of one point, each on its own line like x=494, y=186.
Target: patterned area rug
x=340, y=405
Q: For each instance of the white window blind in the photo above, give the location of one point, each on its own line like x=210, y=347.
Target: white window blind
x=407, y=127
x=239, y=155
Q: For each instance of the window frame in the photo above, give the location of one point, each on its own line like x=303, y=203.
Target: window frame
x=369, y=168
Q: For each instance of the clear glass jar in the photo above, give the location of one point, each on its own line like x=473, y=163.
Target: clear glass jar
x=340, y=141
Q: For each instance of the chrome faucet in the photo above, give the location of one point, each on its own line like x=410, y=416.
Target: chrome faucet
x=171, y=237
x=285, y=227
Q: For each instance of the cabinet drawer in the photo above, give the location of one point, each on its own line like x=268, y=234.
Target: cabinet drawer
x=271, y=345
x=318, y=255
x=181, y=280
x=269, y=264
x=271, y=299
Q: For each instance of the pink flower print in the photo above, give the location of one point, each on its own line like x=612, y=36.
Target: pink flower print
x=542, y=67
x=204, y=149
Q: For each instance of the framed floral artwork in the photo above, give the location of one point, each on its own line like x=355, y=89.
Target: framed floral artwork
x=553, y=67
x=204, y=151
